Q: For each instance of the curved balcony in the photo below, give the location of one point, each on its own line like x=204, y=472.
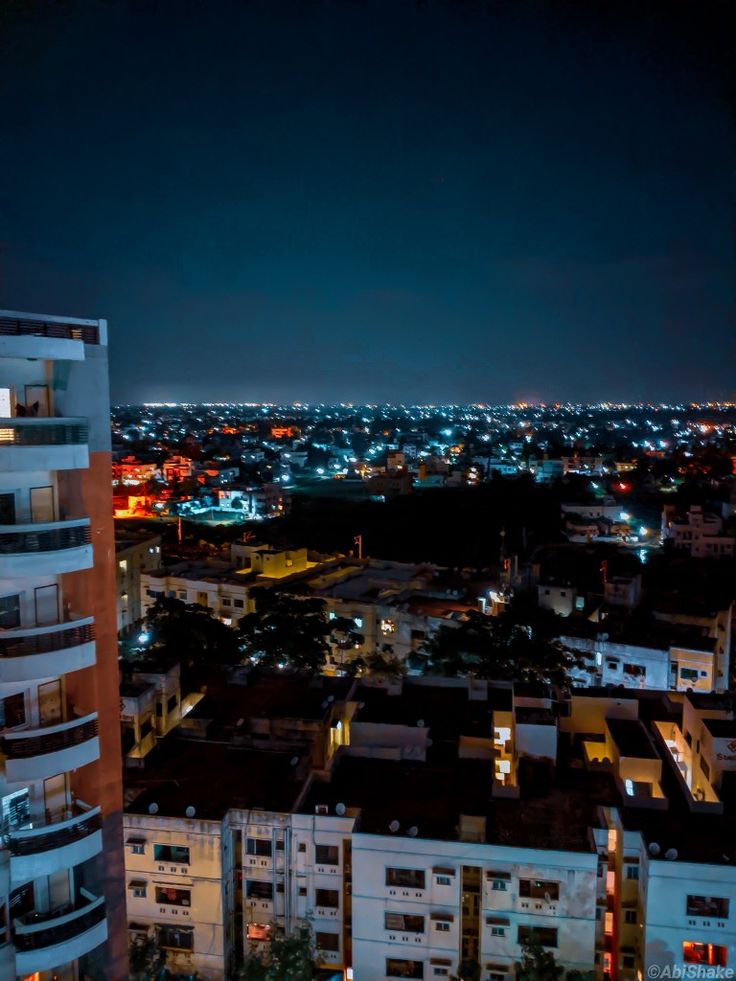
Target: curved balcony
x=43, y=443
x=44, y=941
x=42, y=652
x=45, y=548
x=49, y=848
x=34, y=754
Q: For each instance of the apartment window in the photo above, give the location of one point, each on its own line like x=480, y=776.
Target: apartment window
x=405, y=878
x=327, y=941
x=137, y=846
x=238, y=604
x=688, y=738
x=258, y=846
x=302, y=846
x=498, y=931
x=442, y=926
x=705, y=768
x=711, y=954
x=9, y=611
x=326, y=898
x=628, y=961
x=13, y=711
x=168, y=896
x=544, y=936
x=176, y=938
x=137, y=888
x=632, y=871
x=688, y=674
x=707, y=906
x=171, y=703
x=444, y=880
x=226, y=602
x=302, y=890
x=326, y=854
x=630, y=916
x=177, y=854
x=396, y=968
x=258, y=931
x=499, y=885
x=256, y=889
x=539, y=889
x=404, y=922
x=634, y=670
x=279, y=887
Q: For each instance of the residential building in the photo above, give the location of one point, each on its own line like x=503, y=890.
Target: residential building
x=136, y=552
x=61, y=909
x=697, y=532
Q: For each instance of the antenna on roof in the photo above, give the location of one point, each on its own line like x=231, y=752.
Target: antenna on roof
x=190, y=811
x=394, y=827
x=654, y=849
x=671, y=854
x=153, y=808
x=340, y=809
x=413, y=831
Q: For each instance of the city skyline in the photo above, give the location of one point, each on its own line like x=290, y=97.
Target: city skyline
x=438, y=203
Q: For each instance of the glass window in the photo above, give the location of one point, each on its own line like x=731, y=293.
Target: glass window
x=327, y=941
x=711, y=954
x=176, y=938
x=9, y=611
x=544, y=936
x=13, y=711
x=539, y=889
x=256, y=889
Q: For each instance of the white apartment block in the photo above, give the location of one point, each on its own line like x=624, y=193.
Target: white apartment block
x=60, y=787
x=698, y=533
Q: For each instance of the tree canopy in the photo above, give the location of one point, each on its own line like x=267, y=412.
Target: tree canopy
x=191, y=632
x=288, y=957
x=286, y=630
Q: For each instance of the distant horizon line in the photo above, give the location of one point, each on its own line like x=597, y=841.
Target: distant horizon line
x=604, y=405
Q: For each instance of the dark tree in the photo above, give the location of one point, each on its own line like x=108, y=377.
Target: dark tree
x=538, y=964
x=192, y=632
x=289, y=956
x=285, y=631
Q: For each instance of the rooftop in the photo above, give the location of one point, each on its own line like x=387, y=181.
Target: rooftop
x=632, y=739
x=212, y=777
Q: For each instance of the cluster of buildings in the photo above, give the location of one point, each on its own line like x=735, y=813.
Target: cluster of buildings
x=416, y=822
x=421, y=823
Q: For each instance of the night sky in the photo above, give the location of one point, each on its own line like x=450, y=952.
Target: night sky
x=377, y=201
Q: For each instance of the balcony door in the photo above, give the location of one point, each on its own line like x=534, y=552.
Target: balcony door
x=42, y=504
x=49, y=703
x=37, y=400
x=7, y=509
x=47, y=605
x=55, y=797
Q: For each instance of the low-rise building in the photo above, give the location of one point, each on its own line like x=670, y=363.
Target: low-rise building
x=697, y=532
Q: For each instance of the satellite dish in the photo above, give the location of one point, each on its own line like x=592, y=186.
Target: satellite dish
x=325, y=704
x=240, y=722
x=361, y=705
x=330, y=698
x=420, y=723
x=340, y=809
x=153, y=808
x=671, y=854
x=654, y=849
x=394, y=827
x=413, y=831
x=190, y=811
x=293, y=761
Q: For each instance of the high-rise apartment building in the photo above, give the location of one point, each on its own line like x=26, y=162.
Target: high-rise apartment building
x=62, y=912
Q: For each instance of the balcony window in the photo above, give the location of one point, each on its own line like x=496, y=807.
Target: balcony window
x=15, y=811
x=405, y=878
x=256, y=889
x=543, y=936
x=13, y=711
x=258, y=932
x=169, y=896
x=327, y=941
x=326, y=898
x=327, y=855
x=404, y=922
x=539, y=889
x=176, y=938
x=711, y=954
x=396, y=968
x=258, y=846
x=177, y=854
x=711, y=906
x=9, y=611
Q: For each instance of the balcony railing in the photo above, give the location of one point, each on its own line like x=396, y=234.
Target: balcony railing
x=38, y=931
x=43, y=431
x=46, y=640
x=38, y=742
x=54, y=536
x=31, y=841
x=25, y=326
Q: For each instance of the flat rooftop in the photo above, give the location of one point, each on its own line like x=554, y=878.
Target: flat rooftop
x=632, y=739
x=447, y=712
x=721, y=728
x=212, y=777
x=387, y=791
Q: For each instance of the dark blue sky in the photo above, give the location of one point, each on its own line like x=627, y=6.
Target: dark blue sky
x=376, y=200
